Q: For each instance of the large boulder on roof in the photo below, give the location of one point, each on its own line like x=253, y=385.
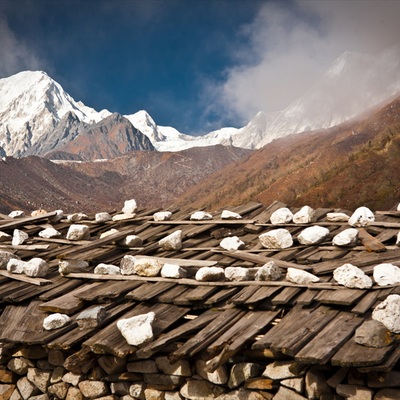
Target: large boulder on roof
x=162, y=216
x=300, y=276
x=352, y=277
x=70, y=266
x=362, y=216
x=386, y=274
x=337, y=217
x=226, y=214
x=137, y=330
x=348, y=237
x=102, y=217
x=55, y=321
x=147, y=266
x=304, y=216
x=49, y=233
x=276, y=239
x=19, y=237
x=237, y=274
x=36, y=267
x=268, y=272
x=210, y=274
x=172, y=241
x=388, y=312
x=129, y=207
x=313, y=235
x=232, y=243
x=78, y=232
x=200, y=216
x=281, y=216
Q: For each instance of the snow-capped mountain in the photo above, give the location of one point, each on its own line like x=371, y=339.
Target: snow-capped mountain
x=35, y=109
x=31, y=103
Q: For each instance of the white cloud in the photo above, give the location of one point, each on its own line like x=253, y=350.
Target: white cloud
x=15, y=55
x=291, y=47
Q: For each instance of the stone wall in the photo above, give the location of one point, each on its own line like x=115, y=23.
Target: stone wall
x=37, y=373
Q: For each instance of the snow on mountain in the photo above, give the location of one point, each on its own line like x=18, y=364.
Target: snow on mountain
x=32, y=106
x=353, y=84
x=31, y=103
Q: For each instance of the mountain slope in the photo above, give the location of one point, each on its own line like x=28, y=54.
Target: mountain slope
x=112, y=137
x=154, y=179
x=351, y=164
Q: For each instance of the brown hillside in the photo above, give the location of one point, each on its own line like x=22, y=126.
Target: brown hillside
x=154, y=179
x=351, y=164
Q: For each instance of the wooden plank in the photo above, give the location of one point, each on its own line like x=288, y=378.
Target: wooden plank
x=352, y=354
x=221, y=295
x=306, y=297
x=370, y=242
x=329, y=339
x=173, y=294
x=205, y=222
x=69, y=303
x=24, y=324
x=302, y=331
x=186, y=329
x=200, y=293
x=281, y=327
x=110, y=340
x=24, y=293
x=262, y=293
x=243, y=295
x=366, y=302
x=257, y=259
x=285, y=296
x=235, y=338
x=182, y=262
x=207, y=335
x=77, y=335
x=105, y=291
x=25, y=278
x=194, y=282
x=16, y=223
x=146, y=291
x=387, y=235
x=243, y=330
x=30, y=247
x=60, y=288
x=344, y=297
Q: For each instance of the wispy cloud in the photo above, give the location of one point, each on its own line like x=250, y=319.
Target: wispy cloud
x=289, y=48
x=15, y=55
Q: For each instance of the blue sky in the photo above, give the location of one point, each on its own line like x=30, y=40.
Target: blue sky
x=197, y=65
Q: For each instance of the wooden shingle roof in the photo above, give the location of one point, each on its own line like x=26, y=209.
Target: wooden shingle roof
x=312, y=324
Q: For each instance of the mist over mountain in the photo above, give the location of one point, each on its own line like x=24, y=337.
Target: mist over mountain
x=351, y=164
x=37, y=117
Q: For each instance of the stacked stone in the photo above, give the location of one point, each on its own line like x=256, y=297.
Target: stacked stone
x=36, y=373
